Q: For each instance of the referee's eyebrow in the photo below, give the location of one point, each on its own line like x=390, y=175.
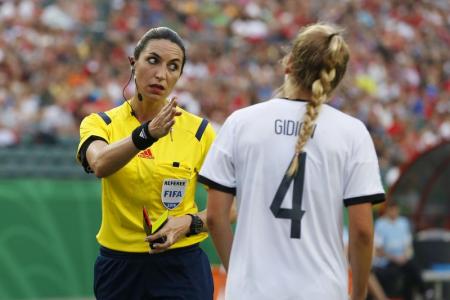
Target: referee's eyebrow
x=159, y=57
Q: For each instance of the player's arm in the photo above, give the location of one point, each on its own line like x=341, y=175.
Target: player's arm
x=220, y=210
x=360, y=247
x=232, y=214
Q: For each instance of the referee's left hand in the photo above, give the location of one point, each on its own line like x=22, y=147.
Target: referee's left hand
x=164, y=120
x=175, y=228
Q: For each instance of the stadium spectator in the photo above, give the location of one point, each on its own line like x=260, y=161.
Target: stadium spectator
x=394, y=257
x=147, y=152
x=330, y=163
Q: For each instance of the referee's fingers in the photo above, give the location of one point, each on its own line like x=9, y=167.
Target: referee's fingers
x=163, y=113
x=169, y=106
x=166, y=117
x=169, y=124
x=171, y=114
x=163, y=246
x=154, y=237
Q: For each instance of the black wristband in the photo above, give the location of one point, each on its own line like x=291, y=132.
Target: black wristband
x=141, y=137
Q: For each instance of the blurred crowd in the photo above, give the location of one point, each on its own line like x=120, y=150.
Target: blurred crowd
x=61, y=60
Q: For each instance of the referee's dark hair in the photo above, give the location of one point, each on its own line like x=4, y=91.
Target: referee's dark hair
x=160, y=33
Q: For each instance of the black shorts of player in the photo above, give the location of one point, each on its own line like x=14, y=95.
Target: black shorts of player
x=183, y=273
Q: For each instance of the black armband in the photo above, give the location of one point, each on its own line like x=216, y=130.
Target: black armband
x=141, y=137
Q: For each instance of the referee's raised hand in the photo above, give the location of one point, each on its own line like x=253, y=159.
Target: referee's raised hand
x=164, y=120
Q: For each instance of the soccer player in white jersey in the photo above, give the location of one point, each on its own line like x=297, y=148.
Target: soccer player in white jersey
x=293, y=163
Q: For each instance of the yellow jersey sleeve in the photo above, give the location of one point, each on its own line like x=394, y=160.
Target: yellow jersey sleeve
x=206, y=141
x=93, y=127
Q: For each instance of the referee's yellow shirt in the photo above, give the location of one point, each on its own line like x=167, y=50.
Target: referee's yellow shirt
x=162, y=177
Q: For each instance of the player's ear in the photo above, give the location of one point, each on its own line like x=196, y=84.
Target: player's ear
x=287, y=63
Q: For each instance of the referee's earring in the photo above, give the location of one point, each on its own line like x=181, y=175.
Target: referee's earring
x=131, y=60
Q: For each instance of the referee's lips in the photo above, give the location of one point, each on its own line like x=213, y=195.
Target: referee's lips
x=156, y=89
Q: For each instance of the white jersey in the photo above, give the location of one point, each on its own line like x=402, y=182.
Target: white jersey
x=288, y=244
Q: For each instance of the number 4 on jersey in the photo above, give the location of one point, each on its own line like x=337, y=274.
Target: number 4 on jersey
x=295, y=213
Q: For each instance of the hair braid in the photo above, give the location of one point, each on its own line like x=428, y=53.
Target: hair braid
x=335, y=54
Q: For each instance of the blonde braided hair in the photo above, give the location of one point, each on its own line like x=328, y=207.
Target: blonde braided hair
x=318, y=63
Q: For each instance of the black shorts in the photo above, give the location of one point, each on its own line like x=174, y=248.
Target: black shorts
x=183, y=273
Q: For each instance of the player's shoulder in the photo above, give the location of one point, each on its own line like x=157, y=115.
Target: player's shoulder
x=343, y=122
x=251, y=112
x=342, y=117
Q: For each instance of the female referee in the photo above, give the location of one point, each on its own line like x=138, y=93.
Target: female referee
x=292, y=179
x=148, y=152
